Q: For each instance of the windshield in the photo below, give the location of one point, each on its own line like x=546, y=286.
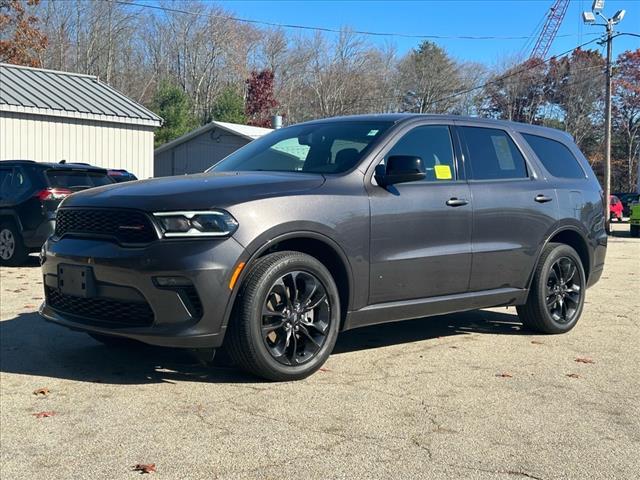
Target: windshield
x=315, y=148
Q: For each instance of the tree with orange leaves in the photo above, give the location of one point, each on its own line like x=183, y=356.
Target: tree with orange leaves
x=21, y=41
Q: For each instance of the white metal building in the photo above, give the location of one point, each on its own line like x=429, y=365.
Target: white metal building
x=49, y=116
x=203, y=147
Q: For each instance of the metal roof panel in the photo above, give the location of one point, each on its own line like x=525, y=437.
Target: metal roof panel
x=67, y=92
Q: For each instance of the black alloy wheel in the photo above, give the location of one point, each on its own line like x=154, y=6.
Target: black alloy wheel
x=564, y=290
x=296, y=318
x=286, y=317
x=557, y=291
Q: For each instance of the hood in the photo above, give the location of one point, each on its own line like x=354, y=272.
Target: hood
x=195, y=192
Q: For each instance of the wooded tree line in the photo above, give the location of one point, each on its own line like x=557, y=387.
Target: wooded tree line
x=194, y=67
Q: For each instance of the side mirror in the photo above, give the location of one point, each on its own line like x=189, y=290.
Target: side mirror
x=400, y=169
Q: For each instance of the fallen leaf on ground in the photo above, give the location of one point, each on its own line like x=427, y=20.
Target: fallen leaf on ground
x=323, y=369
x=504, y=375
x=573, y=375
x=43, y=414
x=537, y=342
x=29, y=306
x=584, y=360
x=41, y=391
x=145, y=467
x=453, y=346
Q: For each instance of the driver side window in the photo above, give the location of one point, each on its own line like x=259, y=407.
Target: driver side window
x=433, y=144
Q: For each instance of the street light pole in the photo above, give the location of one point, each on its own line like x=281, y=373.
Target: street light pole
x=590, y=18
x=607, y=130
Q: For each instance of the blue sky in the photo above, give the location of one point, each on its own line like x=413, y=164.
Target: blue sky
x=495, y=18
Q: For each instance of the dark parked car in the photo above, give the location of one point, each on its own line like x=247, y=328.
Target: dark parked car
x=30, y=192
x=120, y=175
x=331, y=225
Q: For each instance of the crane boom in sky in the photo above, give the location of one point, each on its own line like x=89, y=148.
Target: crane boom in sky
x=550, y=29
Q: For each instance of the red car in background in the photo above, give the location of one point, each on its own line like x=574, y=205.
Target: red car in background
x=615, y=208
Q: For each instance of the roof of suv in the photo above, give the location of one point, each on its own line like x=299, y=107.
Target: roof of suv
x=405, y=117
x=52, y=165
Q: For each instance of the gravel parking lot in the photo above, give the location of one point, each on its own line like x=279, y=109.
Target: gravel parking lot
x=467, y=395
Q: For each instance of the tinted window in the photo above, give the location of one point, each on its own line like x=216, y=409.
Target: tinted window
x=6, y=176
x=493, y=155
x=21, y=183
x=76, y=180
x=327, y=147
x=555, y=157
x=433, y=144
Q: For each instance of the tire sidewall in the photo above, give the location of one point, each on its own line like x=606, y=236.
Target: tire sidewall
x=253, y=309
x=541, y=284
x=18, y=250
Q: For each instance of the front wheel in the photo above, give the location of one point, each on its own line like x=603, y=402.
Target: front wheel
x=557, y=291
x=286, y=319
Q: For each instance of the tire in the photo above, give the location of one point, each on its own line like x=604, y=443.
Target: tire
x=547, y=304
x=286, y=352
x=635, y=231
x=12, y=250
x=113, y=341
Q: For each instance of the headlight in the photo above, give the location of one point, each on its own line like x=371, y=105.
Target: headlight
x=211, y=223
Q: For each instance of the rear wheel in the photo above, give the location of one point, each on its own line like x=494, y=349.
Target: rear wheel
x=12, y=249
x=286, y=319
x=635, y=230
x=557, y=292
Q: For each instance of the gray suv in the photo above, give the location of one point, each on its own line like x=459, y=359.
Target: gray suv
x=331, y=225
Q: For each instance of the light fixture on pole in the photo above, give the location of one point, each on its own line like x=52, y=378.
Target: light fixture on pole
x=590, y=19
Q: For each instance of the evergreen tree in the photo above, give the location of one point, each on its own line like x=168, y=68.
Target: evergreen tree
x=229, y=107
x=174, y=106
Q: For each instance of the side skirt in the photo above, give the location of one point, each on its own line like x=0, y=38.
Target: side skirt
x=427, y=307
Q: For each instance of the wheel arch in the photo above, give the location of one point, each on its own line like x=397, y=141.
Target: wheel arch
x=570, y=235
x=314, y=244
x=11, y=216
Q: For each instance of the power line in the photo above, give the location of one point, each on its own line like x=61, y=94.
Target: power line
x=530, y=66
x=326, y=29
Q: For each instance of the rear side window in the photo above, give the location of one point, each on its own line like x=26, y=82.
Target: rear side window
x=21, y=183
x=6, y=177
x=76, y=180
x=493, y=155
x=555, y=157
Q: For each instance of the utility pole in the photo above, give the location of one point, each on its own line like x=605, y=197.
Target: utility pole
x=607, y=132
x=590, y=18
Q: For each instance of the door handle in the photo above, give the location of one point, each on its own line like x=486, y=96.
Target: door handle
x=542, y=198
x=456, y=202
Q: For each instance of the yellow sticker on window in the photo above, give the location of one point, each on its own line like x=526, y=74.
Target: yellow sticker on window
x=443, y=172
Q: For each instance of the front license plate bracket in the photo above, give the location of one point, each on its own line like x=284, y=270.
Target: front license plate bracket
x=76, y=280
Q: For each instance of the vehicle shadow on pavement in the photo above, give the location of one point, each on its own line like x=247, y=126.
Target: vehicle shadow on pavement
x=477, y=321
x=32, y=261
x=31, y=346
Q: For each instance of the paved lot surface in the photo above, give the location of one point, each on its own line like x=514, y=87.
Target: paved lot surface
x=458, y=396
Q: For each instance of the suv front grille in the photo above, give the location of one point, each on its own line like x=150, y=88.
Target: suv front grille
x=101, y=310
x=126, y=226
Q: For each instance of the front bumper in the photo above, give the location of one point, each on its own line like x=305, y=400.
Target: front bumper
x=123, y=286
